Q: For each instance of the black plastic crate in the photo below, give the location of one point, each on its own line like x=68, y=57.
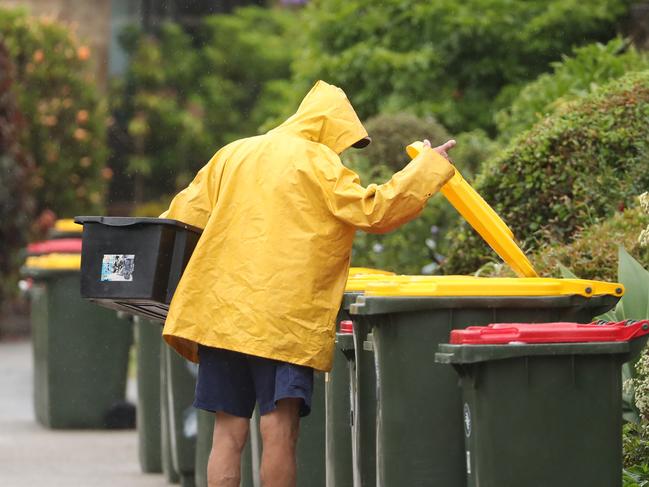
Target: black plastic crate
x=134, y=264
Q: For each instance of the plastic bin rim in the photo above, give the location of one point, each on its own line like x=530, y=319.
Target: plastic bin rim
x=472, y=354
x=375, y=305
x=125, y=221
x=496, y=286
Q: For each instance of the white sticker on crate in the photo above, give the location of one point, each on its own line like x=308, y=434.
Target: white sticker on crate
x=117, y=267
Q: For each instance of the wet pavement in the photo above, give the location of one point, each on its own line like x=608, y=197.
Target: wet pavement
x=31, y=455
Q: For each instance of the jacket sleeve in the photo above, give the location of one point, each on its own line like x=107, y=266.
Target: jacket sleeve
x=193, y=205
x=381, y=208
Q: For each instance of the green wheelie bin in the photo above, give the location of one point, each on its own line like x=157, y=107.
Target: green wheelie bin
x=311, y=452
x=339, y=410
x=343, y=418
x=181, y=382
x=418, y=435
x=80, y=352
x=318, y=430
x=168, y=469
x=542, y=404
x=148, y=340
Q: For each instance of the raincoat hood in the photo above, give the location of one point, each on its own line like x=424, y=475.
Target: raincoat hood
x=326, y=116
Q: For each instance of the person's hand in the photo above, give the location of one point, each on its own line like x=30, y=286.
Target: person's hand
x=443, y=149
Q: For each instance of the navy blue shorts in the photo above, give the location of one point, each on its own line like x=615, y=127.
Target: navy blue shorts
x=232, y=382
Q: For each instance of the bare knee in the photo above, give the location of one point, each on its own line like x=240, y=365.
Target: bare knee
x=281, y=426
x=230, y=432
x=224, y=465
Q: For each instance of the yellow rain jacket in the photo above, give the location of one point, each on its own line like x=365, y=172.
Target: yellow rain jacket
x=279, y=213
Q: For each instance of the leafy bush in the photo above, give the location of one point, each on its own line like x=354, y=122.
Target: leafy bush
x=636, y=476
x=446, y=58
x=574, y=77
x=472, y=149
x=391, y=133
x=16, y=204
x=636, y=444
x=593, y=252
x=183, y=99
x=636, y=305
x=643, y=239
x=571, y=170
x=64, y=113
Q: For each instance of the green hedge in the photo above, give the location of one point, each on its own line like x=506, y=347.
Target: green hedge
x=16, y=169
x=593, y=254
x=570, y=171
x=574, y=77
x=391, y=133
x=64, y=112
x=446, y=58
x=184, y=97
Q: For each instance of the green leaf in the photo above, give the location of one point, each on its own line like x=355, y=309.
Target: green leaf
x=630, y=412
x=566, y=273
x=635, y=303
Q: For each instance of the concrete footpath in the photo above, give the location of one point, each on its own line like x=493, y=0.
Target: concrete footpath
x=32, y=456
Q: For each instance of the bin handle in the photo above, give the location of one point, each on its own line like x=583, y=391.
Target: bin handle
x=632, y=329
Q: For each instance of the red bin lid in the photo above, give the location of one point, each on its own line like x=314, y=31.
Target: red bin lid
x=505, y=333
x=346, y=326
x=58, y=246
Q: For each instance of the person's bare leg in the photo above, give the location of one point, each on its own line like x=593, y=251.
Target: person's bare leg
x=279, y=432
x=224, y=464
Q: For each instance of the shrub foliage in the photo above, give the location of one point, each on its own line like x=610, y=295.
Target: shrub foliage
x=15, y=177
x=574, y=77
x=63, y=110
x=448, y=58
x=184, y=98
x=571, y=170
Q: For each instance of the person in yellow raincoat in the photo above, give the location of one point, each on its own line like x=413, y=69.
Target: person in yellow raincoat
x=257, y=302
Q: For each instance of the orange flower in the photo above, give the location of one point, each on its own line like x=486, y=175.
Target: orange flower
x=107, y=173
x=82, y=116
x=85, y=161
x=38, y=56
x=49, y=120
x=51, y=154
x=80, y=134
x=95, y=197
x=83, y=53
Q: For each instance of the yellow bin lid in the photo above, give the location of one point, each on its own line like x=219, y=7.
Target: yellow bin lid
x=67, y=226
x=491, y=286
x=365, y=271
x=483, y=219
x=360, y=282
x=59, y=262
x=360, y=277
